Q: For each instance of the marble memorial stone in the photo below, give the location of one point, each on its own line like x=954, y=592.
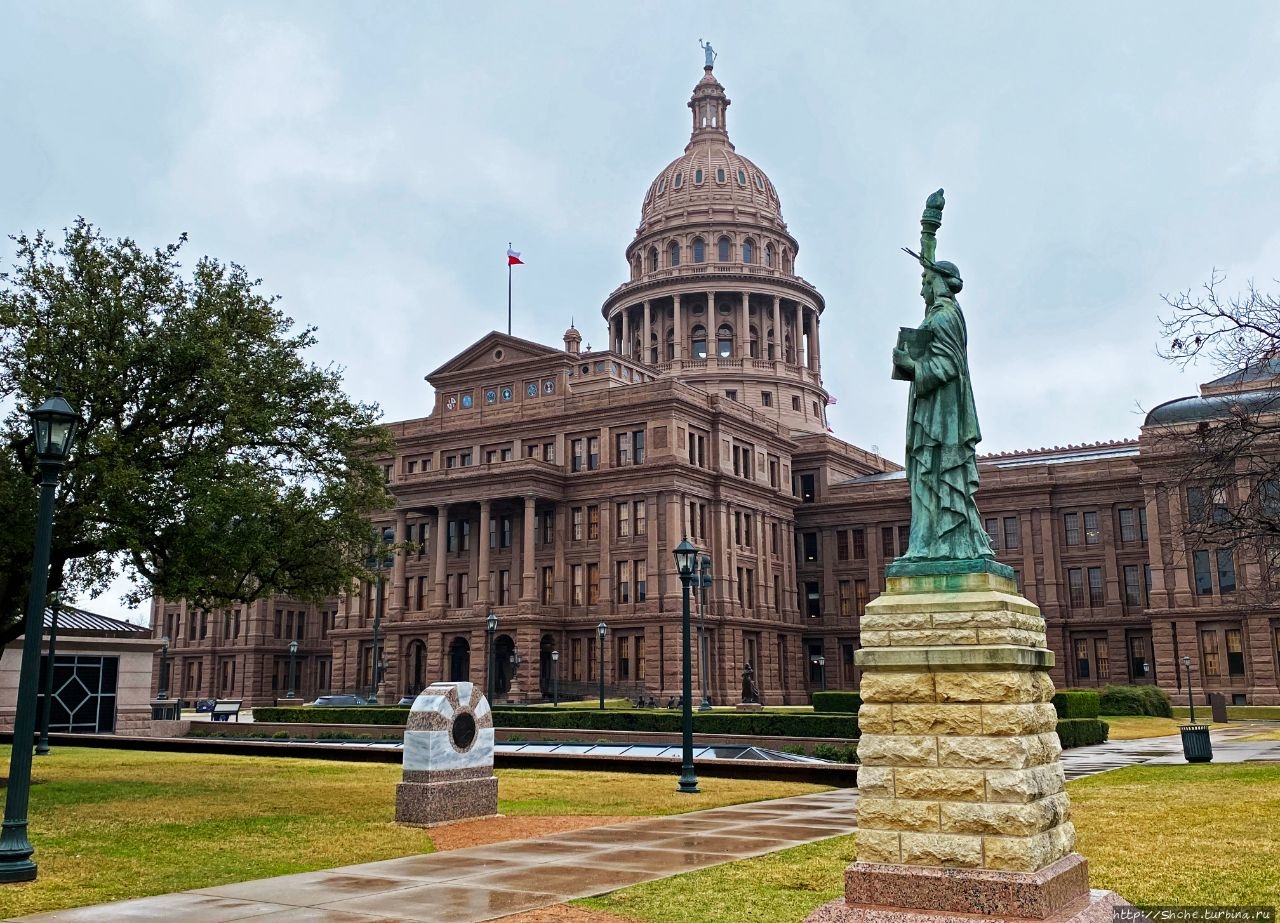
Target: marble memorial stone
x=448, y=757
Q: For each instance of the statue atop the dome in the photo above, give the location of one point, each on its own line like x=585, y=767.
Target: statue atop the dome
x=942, y=421
x=709, y=52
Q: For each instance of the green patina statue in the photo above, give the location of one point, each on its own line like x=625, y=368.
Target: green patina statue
x=942, y=422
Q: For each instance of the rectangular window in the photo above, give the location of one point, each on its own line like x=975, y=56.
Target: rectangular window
x=859, y=544
x=775, y=538
x=624, y=519
x=277, y=633
x=547, y=593
x=576, y=671
x=1209, y=653
x=845, y=600
x=1103, y=656
x=504, y=538
x=1138, y=657
x=810, y=546
x=1132, y=589
x=1011, y=537
x=593, y=453
x=465, y=459
x=886, y=542
x=1128, y=525
x=593, y=523
x=642, y=581
x=766, y=398
x=1075, y=587
x=547, y=527
x=1071, y=528
x=576, y=527
x=622, y=581
x=504, y=588
x=575, y=574
x=1204, y=578
x=1096, y=589
x=1226, y=571
x=1082, y=658
x=1092, y=534
x=549, y=452
x=1235, y=652
x=773, y=472
x=622, y=449
x=1195, y=505
x=637, y=446
x=812, y=598
x=992, y=527
x=860, y=597
x=576, y=454
x=593, y=584
x=904, y=539
x=842, y=545
x=464, y=538
x=1142, y=524
x=639, y=509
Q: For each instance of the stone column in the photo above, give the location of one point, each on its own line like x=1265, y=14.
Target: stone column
x=442, y=533
x=808, y=339
x=646, y=338
x=626, y=332
x=482, y=578
x=744, y=326
x=963, y=806
x=677, y=322
x=528, y=578
x=400, y=591
x=815, y=347
x=777, y=329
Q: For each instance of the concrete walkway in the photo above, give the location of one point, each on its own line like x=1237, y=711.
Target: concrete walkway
x=488, y=882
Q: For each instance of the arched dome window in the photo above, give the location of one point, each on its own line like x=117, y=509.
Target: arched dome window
x=772, y=345
x=699, y=342
x=699, y=250
x=768, y=255
x=653, y=347
x=662, y=184
x=653, y=259
x=786, y=260
x=679, y=181
x=748, y=251
x=742, y=177
x=724, y=341
x=719, y=174
x=697, y=177
x=671, y=343
x=754, y=343
x=673, y=254
x=722, y=250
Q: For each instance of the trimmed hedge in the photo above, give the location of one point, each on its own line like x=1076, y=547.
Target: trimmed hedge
x=1081, y=732
x=373, y=714
x=1136, y=700
x=1076, y=703
x=840, y=703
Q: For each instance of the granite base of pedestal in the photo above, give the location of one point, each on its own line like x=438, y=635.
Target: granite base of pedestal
x=749, y=706
x=882, y=893
x=425, y=804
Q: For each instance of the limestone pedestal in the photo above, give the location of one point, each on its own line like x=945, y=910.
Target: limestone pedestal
x=448, y=757
x=963, y=808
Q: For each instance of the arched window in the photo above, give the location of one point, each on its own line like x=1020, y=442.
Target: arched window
x=786, y=260
x=724, y=341
x=673, y=254
x=679, y=181
x=748, y=251
x=662, y=185
x=653, y=348
x=755, y=343
x=653, y=259
x=742, y=177
x=722, y=250
x=671, y=343
x=768, y=255
x=719, y=174
x=699, y=342
x=697, y=177
x=773, y=346
x=699, y=250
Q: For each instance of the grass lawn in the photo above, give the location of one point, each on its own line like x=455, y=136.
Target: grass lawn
x=114, y=824
x=1157, y=835
x=1133, y=727
x=1264, y=735
x=1234, y=712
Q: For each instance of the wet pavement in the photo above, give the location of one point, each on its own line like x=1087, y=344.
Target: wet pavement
x=488, y=882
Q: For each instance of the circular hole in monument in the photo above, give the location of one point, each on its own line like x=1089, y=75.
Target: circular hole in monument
x=464, y=731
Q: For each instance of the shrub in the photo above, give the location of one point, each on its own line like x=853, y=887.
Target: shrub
x=1077, y=703
x=1081, y=732
x=373, y=714
x=742, y=724
x=844, y=703
x=1136, y=700
x=836, y=753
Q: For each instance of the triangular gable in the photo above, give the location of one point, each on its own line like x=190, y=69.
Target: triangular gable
x=483, y=355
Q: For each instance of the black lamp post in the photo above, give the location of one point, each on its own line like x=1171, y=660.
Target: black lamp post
x=821, y=661
x=293, y=675
x=555, y=678
x=163, y=691
x=601, y=630
x=54, y=427
x=42, y=748
x=1191, y=701
x=378, y=562
x=686, y=556
x=704, y=643
x=490, y=629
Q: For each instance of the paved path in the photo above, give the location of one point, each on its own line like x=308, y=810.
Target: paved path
x=487, y=882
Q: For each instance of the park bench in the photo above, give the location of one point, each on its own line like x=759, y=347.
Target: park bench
x=225, y=710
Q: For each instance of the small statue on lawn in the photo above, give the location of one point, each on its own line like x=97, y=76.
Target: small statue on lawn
x=750, y=691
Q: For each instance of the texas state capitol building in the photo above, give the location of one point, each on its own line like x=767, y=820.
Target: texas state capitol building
x=549, y=485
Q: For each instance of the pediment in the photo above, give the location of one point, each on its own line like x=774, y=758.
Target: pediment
x=493, y=351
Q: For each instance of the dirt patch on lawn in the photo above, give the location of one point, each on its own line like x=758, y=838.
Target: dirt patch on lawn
x=563, y=913
x=486, y=830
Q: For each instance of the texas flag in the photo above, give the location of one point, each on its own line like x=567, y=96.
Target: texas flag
x=513, y=257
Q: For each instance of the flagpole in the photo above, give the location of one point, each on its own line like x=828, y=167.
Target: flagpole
x=508, y=291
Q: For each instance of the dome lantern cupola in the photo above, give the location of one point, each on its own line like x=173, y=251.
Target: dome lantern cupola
x=709, y=104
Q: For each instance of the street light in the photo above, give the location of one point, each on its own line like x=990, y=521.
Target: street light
x=490, y=628
x=53, y=426
x=704, y=643
x=378, y=563
x=686, y=555
x=821, y=661
x=293, y=675
x=1191, y=702
x=42, y=748
x=163, y=691
x=555, y=678
x=601, y=629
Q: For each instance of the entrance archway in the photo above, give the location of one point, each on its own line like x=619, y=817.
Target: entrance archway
x=504, y=649
x=416, y=667
x=459, y=661
x=546, y=668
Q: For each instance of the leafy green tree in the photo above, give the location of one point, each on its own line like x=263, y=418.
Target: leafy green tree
x=214, y=463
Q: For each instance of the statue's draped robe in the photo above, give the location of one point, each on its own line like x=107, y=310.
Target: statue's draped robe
x=942, y=439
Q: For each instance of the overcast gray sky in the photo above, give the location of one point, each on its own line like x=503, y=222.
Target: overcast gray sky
x=370, y=162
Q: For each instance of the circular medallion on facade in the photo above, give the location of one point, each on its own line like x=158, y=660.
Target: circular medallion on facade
x=466, y=401
x=531, y=389
x=490, y=396
x=506, y=394
x=451, y=402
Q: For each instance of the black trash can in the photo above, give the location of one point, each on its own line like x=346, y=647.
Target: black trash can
x=1195, y=743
